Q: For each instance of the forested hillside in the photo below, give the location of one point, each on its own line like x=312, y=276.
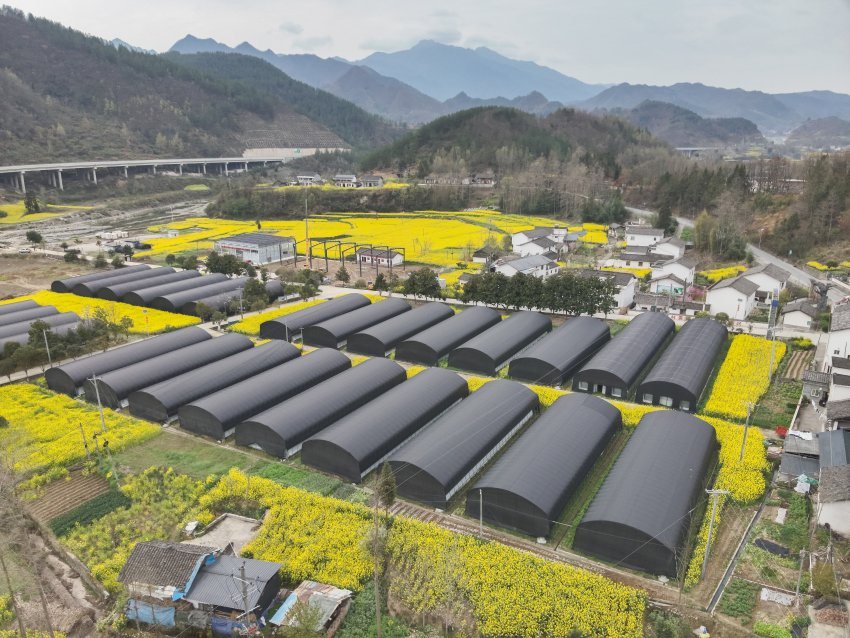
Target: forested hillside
x=68, y=96
x=507, y=140
x=681, y=127
x=353, y=124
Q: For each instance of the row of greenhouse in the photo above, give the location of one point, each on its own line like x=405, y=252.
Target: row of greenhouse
x=647, y=360
x=17, y=318
x=515, y=467
x=162, y=288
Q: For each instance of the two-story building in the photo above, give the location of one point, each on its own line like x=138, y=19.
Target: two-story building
x=309, y=179
x=672, y=246
x=257, y=248
x=625, y=284
x=799, y=314
x=683, y=267
x=372, y=181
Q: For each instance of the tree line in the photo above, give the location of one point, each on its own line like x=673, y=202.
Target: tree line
x=564, y=292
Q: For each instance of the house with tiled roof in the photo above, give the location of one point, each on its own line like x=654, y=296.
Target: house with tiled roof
x=799, y=314
x=770, y=279
x=736, y=297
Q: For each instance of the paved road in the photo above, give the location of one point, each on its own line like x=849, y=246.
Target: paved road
x=798, y=276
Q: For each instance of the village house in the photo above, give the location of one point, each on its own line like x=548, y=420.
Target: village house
x=667, y=284
x=684, y=268
x=834, y=481
x=372, y=181
x=624, y=282
x=330, y=602
x=536, y=265
x=346, y=181
x=381, y=257
x=643, y=236
x=637, y=257
x=769, y=278
x=672, y=246
x=487, y=178
x=661, y=302
x=736, y=297
x=309, y=179
x=539, y=240
x=484, y=255
x=180, y=584
x=799, y=314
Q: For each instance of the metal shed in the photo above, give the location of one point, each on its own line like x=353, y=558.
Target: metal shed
x=529, y=485
x=117, y=385
x=115, y=292
x=557, y=356
x=70, y=376
x=434, y=465
x=678, y=379
x=91, y=288
x=29, y=314
x=378, y=340
x=616, y=368
x=354, y=445
x=217, y=414
x=174, y=301
x=641, y=515
x=281, y=430
x=65, y=285
x=493, y=348
x=17, y=306
x=431, y=345
x=144, y=296
x=24, y=337
x=159, y=402
x=334, y=332
x=21, y=327
x=288, y=327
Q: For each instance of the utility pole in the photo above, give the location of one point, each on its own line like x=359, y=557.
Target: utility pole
x=799, y=578
x=746, y=427
x=99, y=404
x=307, y=252
x=713, y=494
x=47, y=347
x=480, y=513
x=85, y=442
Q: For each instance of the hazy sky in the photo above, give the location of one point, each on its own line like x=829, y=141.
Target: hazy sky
x=771, y=45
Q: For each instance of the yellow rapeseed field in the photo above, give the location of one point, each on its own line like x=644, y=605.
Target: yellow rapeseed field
x=16, y=212
x=145, y=320
x=743, y=377
x=430, y=237
x=251, y=325
x=44, y=428
x=717, y=274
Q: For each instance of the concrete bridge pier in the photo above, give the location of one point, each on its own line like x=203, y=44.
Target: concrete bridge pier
x=126, y=172
x=59, y=180
x=204, y=167
x=153, y=169
x=94, y=176
x=226, y=172
x=23, y=188
x=180, y=168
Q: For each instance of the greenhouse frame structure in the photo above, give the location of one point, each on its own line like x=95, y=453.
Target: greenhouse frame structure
x=217, y=414
x=68, y=378
x=27, y=314
x=489, y=351
x=557, y=356
x=145, y=296
x=160, y=402
x=527, y=488
x=116, y=292
x=65, y=285
x=174, y=301
x=288, y=327
x=678, y=378
x=642, y=513
x=360, y=441
x=91, y=288
x=52, y=321
x=113, y=387
x=380, y=339
x=615, y=370
x=334, y=332
x=431, y=345
x=282, y=429
x=433, y=466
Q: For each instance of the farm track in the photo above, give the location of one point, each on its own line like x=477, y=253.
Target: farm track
x=657, y=591
x=64, y=495
x=798, y=362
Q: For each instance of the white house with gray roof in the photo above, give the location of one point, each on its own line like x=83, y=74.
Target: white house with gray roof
x=643, y=235
x=736, y=297
x=536, y=265
x=799, y=314
x=769, y=278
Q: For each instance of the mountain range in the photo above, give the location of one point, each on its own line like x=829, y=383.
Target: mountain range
x=430, y=79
